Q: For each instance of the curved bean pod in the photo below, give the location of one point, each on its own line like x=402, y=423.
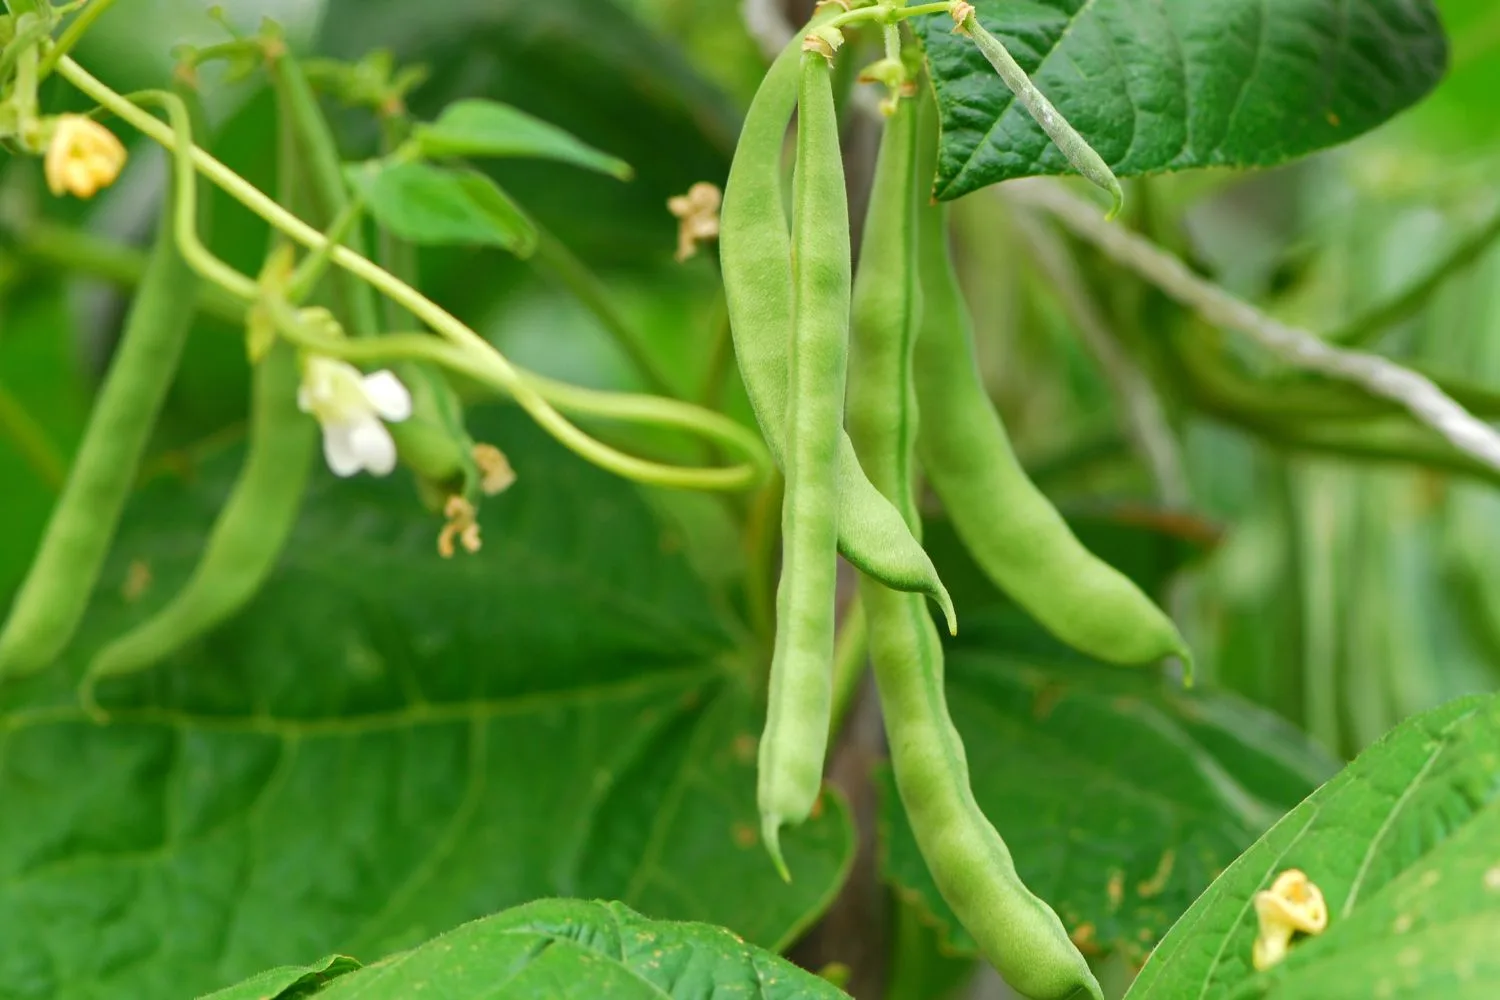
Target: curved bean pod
x=795, y=740
x=1017, y=537
x=52, y=600
x=755, y=253
x=247, y=536
x=252, y=528
x=1017, y=932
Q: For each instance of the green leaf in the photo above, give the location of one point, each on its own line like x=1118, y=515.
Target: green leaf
x=1121, y=797
x=587, y=67
x=1402, y=844
x=387, y=744
x=478, y=127
x=434, y=206
x=565, y=949
x=1171, y=86
x=289, y=982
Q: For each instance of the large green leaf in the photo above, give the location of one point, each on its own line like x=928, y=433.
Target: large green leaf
x=1402, y=844
x=1121, y=797
x=386, y=744
x=564, y=949
x=288, y=982
x=1180, y=83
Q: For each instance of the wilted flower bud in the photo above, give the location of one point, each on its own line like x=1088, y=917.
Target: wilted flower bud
x=82, y=157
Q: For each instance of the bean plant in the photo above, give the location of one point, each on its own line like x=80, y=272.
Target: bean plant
x=637, y=499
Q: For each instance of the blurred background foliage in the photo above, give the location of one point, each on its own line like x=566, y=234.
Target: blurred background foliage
x=1343, y=594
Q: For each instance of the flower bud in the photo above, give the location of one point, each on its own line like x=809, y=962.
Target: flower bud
x=82, y=157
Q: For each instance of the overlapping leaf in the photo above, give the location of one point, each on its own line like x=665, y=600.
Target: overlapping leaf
x=1178, y=84
x=387, y=744
x=564, y=949
x=1403, y=845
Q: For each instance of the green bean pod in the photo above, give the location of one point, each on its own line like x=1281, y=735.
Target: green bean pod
x=755, y=254
x=795, y=741
x=1017, y=932
x=252, y=528
x=1016, y=536
x=56, y=592
x=249, y=533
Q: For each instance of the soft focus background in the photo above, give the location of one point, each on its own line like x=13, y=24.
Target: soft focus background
x=1343, y=595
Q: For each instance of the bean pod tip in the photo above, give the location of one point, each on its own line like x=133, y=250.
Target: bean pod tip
x=770, y=832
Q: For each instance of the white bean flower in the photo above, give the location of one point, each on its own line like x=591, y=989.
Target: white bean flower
x=352, y=406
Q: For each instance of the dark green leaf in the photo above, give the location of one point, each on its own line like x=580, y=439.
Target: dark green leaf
x=564, y=949
x=1402, y=844
x=1121, y=797
x=386, y=744
x=1170, y=86
x=478, y=127
x=434, y=206
x=289, y=982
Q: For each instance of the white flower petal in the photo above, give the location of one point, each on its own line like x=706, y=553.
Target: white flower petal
x=387, y=395
x=304, y=398
x=373, y=443
x=341, y=449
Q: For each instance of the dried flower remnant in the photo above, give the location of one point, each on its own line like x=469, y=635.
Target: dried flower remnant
x=1292, y=905
x=697, y=213
x=495, y=473
x=461, y=526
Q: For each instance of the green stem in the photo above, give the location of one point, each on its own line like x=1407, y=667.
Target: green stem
x=21, y=429
x=185, y=217
x=65, y=248
x=1364, y=328
x=73, y=34
x=556, y=260
x=30, y=32
x=627, y=407
x=24, y=92
x=479, y=354
x=889, y=13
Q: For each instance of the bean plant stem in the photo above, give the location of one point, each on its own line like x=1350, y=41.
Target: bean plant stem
x=73, y=33
x=479, y=353
x=1134, y=394
x=555, y=259
x=1300, y=348
x=1364, y=328
x=30, y=439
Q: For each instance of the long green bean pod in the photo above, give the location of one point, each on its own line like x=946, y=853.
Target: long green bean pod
x=56, y=592
x=755, y=252
x=795, y=741
x=1015, y=535
x=1017, y=932
x=248, y=535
